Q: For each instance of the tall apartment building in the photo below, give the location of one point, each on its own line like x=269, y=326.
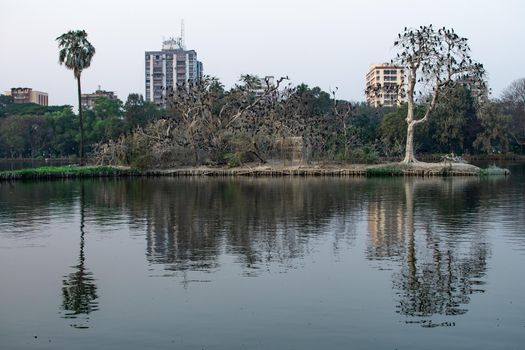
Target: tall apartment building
x=172, y=66
x=391, y=79
x=88, y=100
x=28, y=95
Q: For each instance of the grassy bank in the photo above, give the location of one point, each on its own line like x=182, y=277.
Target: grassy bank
x=68, y=171
x=392, y=169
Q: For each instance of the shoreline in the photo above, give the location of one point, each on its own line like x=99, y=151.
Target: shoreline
x=419, y=169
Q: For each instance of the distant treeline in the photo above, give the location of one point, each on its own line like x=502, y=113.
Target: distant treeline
x=29, y=130
x=204, y=123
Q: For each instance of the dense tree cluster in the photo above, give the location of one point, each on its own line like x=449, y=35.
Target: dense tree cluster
x=258, y=120
x=207, y=124
x=30, y=130
x=253, y=121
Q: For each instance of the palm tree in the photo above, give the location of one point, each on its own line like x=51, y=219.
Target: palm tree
x=76, y=53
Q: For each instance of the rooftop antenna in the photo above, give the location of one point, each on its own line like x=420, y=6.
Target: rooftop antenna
x=182, y=43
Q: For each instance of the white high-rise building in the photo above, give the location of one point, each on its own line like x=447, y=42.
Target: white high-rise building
x=172, y=66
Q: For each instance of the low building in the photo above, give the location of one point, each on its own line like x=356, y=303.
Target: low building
x=268, y=82
x=384, y=85
x=28, y=95
x=88, y=100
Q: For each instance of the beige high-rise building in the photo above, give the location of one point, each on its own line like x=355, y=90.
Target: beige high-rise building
x=384, y=85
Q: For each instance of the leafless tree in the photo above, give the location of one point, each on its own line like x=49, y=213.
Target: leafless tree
x=202, y=120
x=513, y=101
x=343, y=112
x=434, y=60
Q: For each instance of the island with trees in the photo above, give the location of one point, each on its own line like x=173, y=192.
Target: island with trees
x=263, y=128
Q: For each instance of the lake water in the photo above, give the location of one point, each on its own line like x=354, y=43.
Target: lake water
x=263, y=263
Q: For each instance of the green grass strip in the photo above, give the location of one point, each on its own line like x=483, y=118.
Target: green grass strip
x=65, y=171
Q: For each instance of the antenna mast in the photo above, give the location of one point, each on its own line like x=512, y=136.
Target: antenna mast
x=182, y=41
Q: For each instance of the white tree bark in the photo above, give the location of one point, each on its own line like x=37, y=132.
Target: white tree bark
x=409, y=148
x=411, y=122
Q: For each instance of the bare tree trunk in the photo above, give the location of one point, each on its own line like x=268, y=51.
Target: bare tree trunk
x=411, y=122
x=409, y=148
x=81, y=121
x=194, y=148
x=346, y=140
x=195, y=154
x=257, y=152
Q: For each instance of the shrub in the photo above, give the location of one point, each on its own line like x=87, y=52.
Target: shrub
x=233, y=159
x=494, y=170
x=364, y=154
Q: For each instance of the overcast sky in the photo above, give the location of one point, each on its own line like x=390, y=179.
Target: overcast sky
x=325, y=43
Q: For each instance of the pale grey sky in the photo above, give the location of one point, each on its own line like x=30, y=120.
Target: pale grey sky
x=325, y=43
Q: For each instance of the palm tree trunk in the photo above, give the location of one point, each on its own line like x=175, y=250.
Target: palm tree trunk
x=81, y=121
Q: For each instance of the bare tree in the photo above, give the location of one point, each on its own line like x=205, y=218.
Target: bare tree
x=343, y=112
x=201, y=121
x=434, y=59
x=250, y=115
x=515, y=93
x=513, y=101
x=193, y=123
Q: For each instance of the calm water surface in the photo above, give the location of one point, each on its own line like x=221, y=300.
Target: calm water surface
x=204, y=263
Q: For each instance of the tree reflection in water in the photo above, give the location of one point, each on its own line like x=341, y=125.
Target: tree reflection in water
x=79, y=292
x=191, y=223
x=423, y=229
x=439, y=266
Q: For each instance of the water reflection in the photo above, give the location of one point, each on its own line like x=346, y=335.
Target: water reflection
x=26, y=207
x=433, y=234
x=439, y=245
x=190, y=223
x=79, y=291
x=386, y=223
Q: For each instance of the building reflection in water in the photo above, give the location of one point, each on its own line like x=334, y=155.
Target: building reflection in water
x=419, y=228
x=430, y=232
x=191, y=223
x=386, y=227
